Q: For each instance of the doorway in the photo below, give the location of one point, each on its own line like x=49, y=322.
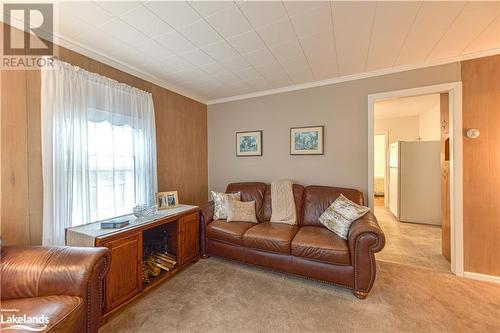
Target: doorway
x=409, y=209
x=402, y=236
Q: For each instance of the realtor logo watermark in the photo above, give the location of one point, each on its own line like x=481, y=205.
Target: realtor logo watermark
x=10, y=319
x=27, y=35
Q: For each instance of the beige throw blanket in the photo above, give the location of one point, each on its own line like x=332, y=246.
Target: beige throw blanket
x=283, y=203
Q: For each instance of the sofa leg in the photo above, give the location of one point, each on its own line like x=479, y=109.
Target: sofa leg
x=360, y=294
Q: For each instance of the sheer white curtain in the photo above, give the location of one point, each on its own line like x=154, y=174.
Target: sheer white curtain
x=98, y=148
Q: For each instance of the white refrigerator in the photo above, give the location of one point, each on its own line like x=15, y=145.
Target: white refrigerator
x=415, y=181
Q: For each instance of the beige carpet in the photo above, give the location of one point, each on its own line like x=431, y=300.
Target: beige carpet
x=216, y=295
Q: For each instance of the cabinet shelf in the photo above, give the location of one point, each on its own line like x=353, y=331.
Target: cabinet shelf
x=124, y=279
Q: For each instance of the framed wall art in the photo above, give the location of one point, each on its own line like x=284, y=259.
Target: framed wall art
x=306, y=140
x=249, y=143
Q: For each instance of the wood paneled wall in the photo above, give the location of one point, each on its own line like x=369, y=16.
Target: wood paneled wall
x=481, y=158
x=181, y=132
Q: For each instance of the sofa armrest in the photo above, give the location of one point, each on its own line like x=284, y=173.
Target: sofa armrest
x=364, y=240
x=206, y=216
x=367, y=225
x=59, y=270
x=207, y=212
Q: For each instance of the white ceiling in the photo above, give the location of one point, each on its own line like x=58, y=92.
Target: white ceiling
x=211, y=50
x=406, y=107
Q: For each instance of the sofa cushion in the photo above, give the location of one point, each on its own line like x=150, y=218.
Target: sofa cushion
x=228, y=232
x=298, y=191
x=220, y=203
x=273, y=237
x=250, y=192
x=65, y=313
x=243, y=211
x=320, y=244
x=339, y=216
x=318, y=198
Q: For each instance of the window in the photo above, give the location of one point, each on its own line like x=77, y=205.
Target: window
x=98, y=149
x=111, y=170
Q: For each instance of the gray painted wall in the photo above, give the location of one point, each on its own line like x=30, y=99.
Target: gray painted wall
x=341, y=108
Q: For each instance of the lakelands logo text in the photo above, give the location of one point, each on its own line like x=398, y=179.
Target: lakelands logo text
x=27, y=35
x=14, y=322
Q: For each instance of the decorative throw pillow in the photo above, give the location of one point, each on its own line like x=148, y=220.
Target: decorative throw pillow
x=243, y=211
x=339, y=216
x=220, y=203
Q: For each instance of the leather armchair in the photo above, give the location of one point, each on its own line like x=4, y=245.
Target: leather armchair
x=62, y=283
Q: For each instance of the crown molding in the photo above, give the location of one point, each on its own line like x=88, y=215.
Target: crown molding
x=117, y=64
x=110, y=61
x=358, y=76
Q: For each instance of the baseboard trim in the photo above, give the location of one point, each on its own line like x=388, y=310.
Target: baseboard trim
x=482, y=277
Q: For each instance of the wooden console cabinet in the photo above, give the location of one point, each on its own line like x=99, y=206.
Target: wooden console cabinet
x=124, y=280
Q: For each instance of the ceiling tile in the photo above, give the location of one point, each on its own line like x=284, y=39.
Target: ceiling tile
x=210, y=48
x=263, y=13
x=176, y=63
x=298, y=7
x=301, y=75
x=197, y=57
x=268, y=67
x=260, y=57
x=117, y=8
x=296, y=62
x=279, y=32
x=278, y=79
x=200, y=33
x=247, y=42
x=313, y=21
x=487, y=40
x=206, y=8
x=87, y=11
x=229, y=22
x=392, y=23
x=258, y=84
x=98, y=41
x=213, y=68
x=175, y=42
x=291, y=49
x=154, y=49
x=431, y=23
x=323, y=71
x=319, y=48
x=228, y=78
x=352, y=22
x=146, y=22
x=220, y=50
x=71, y=27
x=116, y=27
x=248, y=73
x=176, y=13
x=235, y=63
x=132, y=57
x=475, y=17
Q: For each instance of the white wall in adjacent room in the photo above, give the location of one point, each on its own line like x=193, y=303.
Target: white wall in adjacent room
x=429, y=124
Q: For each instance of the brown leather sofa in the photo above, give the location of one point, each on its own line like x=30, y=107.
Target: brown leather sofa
x=307, y=249
x=62, y=283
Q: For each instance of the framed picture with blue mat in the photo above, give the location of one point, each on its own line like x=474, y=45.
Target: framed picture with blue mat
x=249, y=143
x=306, y=140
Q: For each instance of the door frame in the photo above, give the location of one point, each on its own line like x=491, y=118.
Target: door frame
x=386, y=174
x=454, y=89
